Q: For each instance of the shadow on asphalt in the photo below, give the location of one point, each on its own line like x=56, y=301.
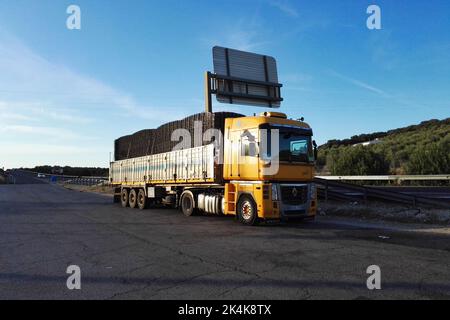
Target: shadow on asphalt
x=439, y=290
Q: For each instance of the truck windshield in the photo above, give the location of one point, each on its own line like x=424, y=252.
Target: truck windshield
x=295, y=144
x=295, y=147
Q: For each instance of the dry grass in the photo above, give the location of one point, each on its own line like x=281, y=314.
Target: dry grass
x=94, y=189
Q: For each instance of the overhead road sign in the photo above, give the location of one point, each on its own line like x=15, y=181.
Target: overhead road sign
x=243, y=78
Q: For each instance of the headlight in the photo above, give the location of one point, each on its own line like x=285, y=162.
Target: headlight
x=274, y=192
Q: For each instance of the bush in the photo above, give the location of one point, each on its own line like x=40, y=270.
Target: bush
x=321, y=158
x=431, y=159
x=358, y=161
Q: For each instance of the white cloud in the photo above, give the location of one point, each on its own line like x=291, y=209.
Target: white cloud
x=36, y=131
x=296, y=82
x=296, y=78
x=399, y=100
x=30, y=82
x=247, y=34
x=70, y=118
x=8, y=116
x=360, y=84
x=239, y=39
x=44, y=149
x=285, y=7
x=244, y=40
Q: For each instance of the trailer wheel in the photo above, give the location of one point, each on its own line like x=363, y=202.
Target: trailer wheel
x=124, y=198
x=132, y=198
x=188, y=203
x=247, y=211
x=141, y=199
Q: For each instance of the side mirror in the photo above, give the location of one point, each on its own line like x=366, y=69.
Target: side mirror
x=315, y=150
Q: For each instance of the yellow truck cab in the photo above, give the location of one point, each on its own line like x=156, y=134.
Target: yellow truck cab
x=275, y=185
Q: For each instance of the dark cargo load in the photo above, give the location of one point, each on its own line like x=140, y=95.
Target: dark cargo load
x=154, y=141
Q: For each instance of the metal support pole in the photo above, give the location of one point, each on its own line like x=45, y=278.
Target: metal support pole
x=208, y=99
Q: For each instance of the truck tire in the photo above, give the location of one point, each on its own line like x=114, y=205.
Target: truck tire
x=132, y=198
x=187, y=203
x=247, y=211
x=141, y=199
x=124, y=198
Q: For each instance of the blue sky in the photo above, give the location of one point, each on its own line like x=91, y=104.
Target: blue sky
x=65, y=95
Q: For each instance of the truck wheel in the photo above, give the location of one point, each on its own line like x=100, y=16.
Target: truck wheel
x=132, y=198
x=246, y=211
x=187, y=204
x=141, y=199
x=124, y=198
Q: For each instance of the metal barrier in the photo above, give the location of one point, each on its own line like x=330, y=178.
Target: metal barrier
x=399, y=178
x=75, y=180
x=331, y=189
x=86, y=181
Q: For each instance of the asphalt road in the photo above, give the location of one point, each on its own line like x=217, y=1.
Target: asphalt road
x=160, y=254
x=24, y=177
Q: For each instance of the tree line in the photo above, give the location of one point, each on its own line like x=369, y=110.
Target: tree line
x=72, y=171
x=420, y=149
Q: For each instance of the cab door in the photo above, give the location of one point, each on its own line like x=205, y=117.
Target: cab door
x=249, y=154
x=233, y=157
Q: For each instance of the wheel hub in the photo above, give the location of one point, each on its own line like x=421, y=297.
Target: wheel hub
x=247, y=210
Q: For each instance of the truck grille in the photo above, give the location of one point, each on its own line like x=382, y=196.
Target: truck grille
x=294, y=195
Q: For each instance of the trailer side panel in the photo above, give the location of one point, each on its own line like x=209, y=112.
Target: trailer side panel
x=193, y=165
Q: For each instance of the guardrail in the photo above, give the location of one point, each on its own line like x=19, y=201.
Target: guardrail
x=331, y=189
x=76, y=180
x=67, y=176
x=398, y=178
x=86, y=181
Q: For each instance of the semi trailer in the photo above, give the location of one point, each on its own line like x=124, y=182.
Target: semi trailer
x=255, y=168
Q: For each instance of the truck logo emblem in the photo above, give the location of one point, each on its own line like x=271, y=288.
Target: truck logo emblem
x=294, y=192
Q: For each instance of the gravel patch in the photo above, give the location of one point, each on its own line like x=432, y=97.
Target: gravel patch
x=385, y=211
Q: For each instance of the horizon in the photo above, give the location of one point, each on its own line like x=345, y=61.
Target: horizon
x=66, y=95
x=321, y=145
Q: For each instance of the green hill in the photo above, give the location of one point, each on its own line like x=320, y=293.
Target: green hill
x=416, y=149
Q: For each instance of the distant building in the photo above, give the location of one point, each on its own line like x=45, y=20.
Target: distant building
x=368, y=143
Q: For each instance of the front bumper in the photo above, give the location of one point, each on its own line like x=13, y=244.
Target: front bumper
x=296, y=200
